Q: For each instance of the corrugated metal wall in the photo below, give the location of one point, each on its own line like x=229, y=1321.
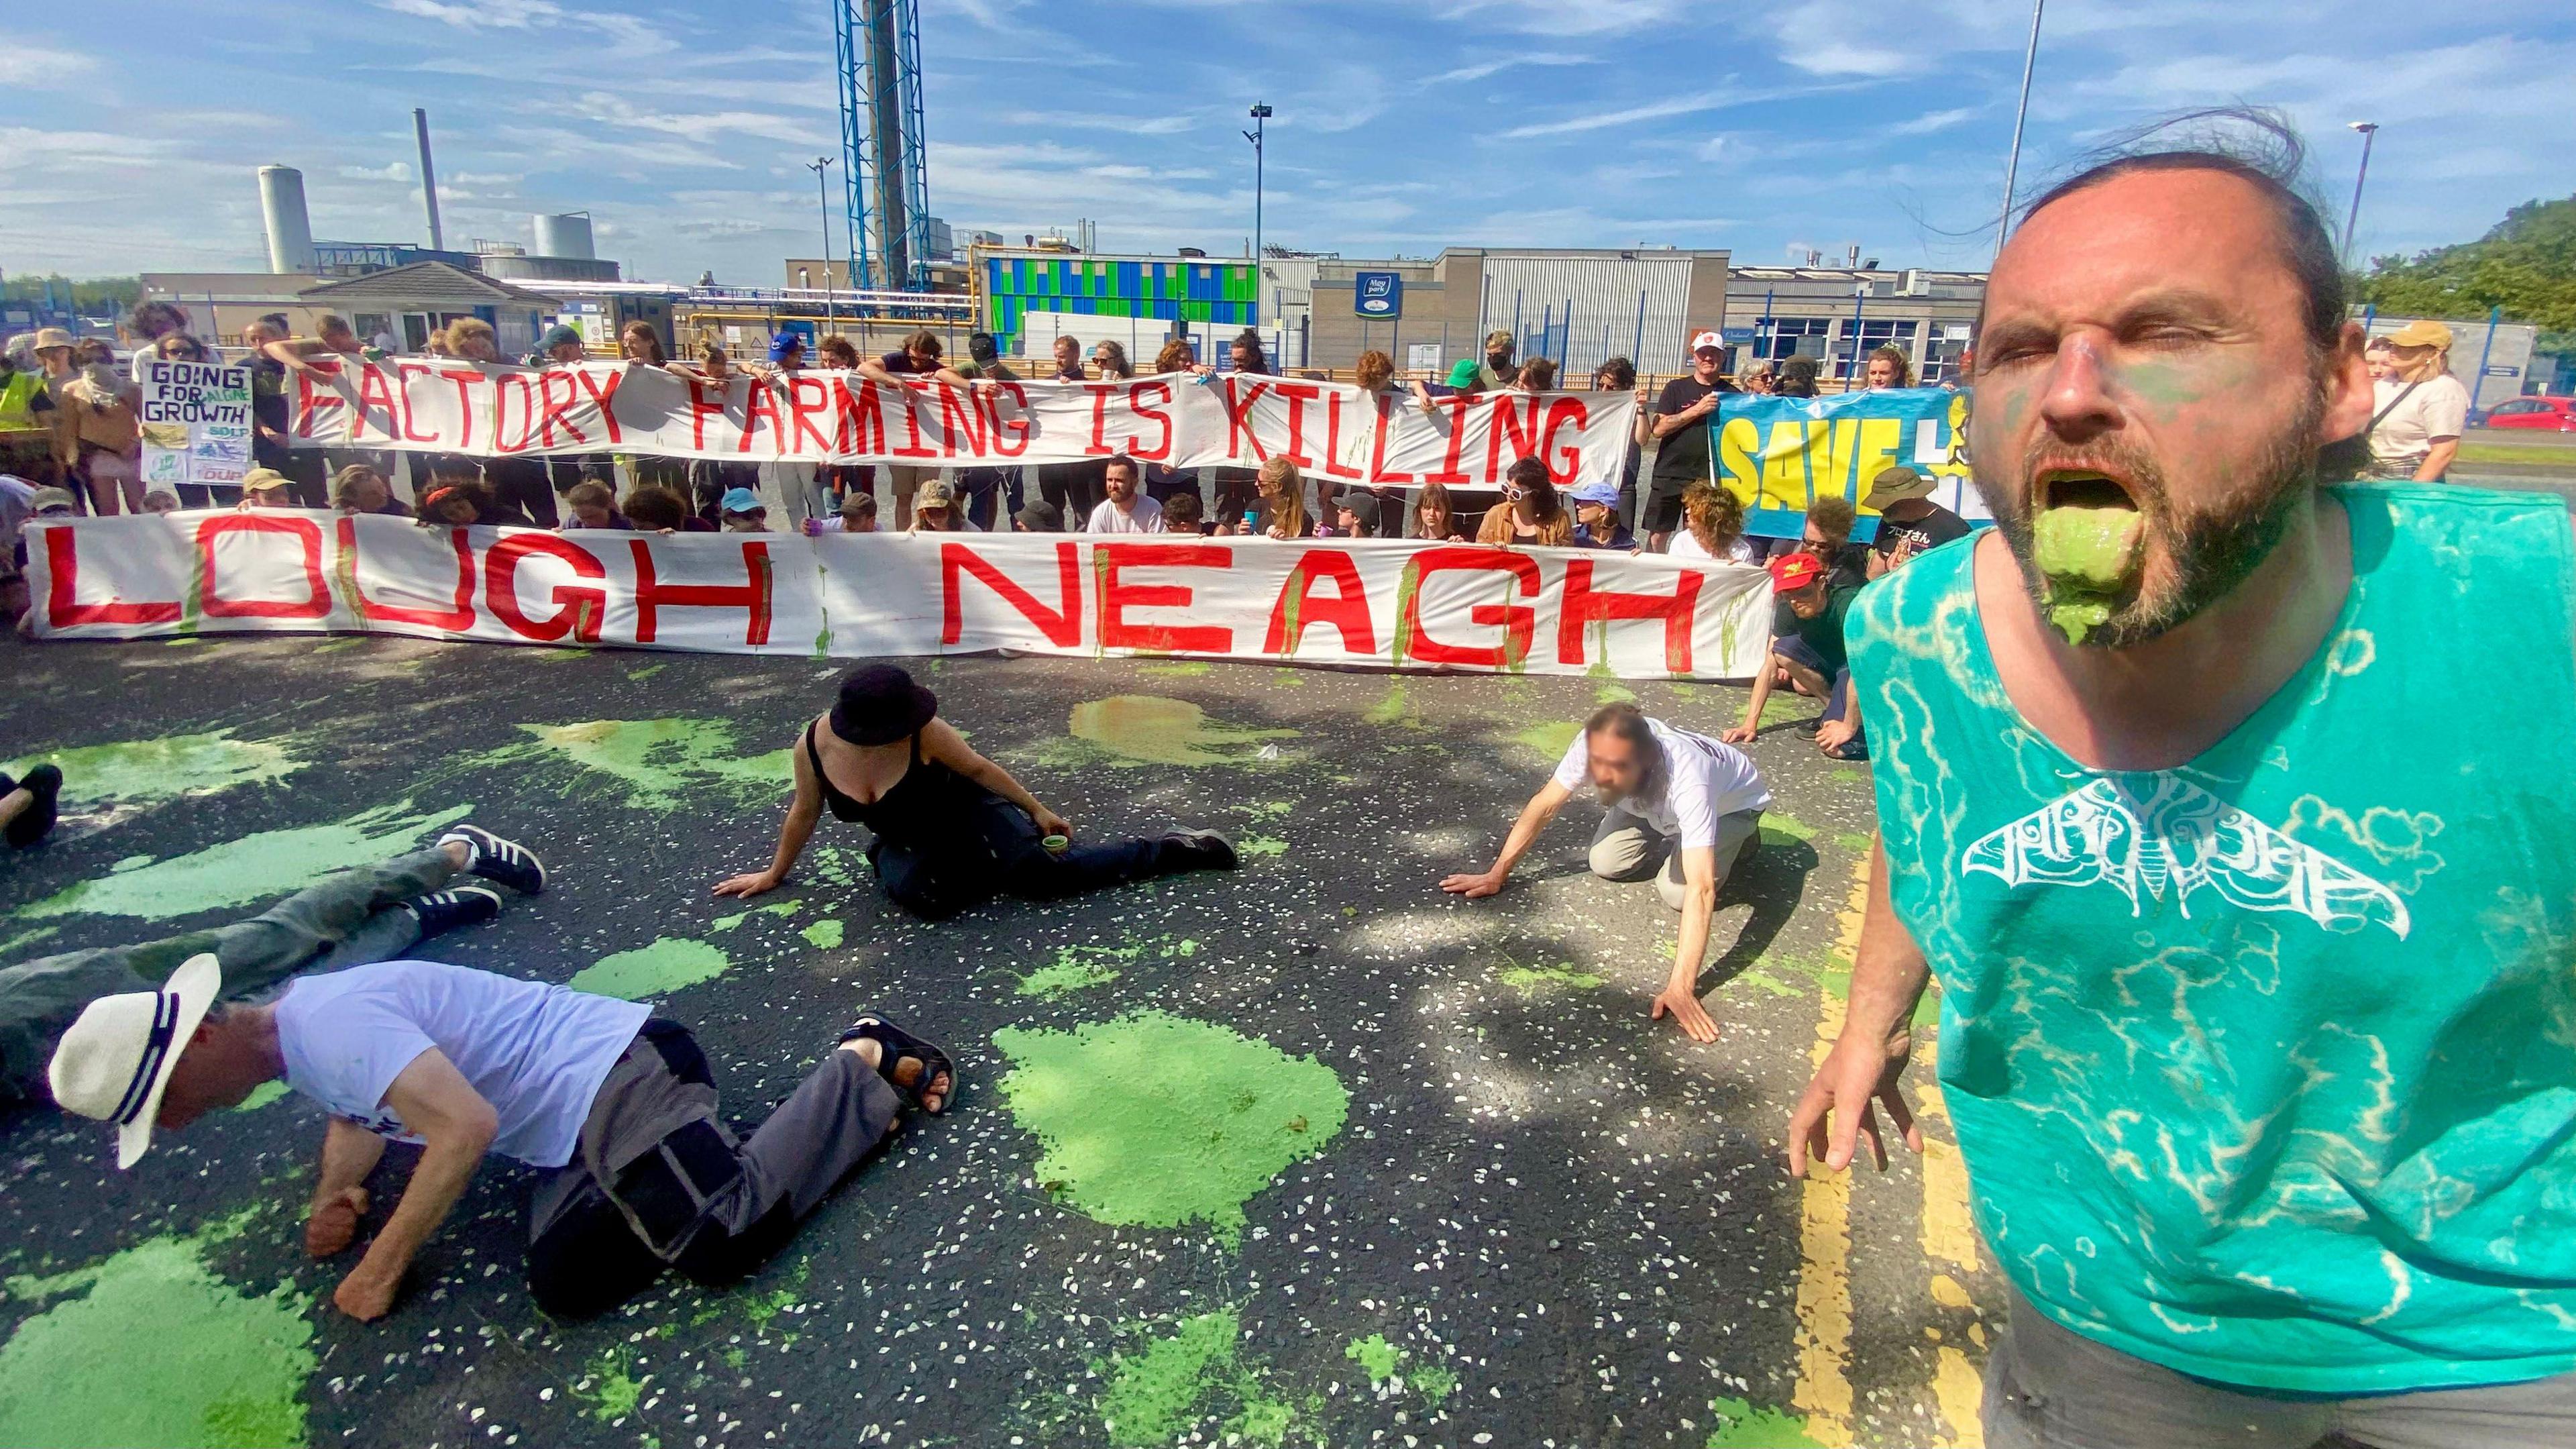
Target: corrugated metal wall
x=1589, y=309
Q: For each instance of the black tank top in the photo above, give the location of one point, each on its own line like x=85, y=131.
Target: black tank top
x=928, y=802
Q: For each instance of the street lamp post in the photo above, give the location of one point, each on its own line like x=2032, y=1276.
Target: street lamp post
x=2021, y=113
x=2369, y=132
x=1260, y=117
x=823, y=195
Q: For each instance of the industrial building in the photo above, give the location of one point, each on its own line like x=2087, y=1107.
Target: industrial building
x=1839, y=315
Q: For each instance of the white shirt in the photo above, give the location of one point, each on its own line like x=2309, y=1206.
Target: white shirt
x=1686, y=544
x=536, y=1052
x=1110, y=518
x=2437, y=408
x=1701, y=780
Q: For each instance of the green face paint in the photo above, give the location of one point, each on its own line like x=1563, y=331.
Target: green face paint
x=1148, y=729
x=136, y=771
x=2087, y=555
x=253, y=868
x=159, y=1350
x=655, y=970
x=1158, y=1121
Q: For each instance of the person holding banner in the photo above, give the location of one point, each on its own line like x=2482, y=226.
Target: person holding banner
x=1682, y=809
x=1531, y=515
x=1491, y=373
x=99, y=416
x=1683, y=416
x=952, y=828
x=918, y=358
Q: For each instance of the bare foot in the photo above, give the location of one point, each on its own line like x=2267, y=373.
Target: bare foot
x=906, y=1072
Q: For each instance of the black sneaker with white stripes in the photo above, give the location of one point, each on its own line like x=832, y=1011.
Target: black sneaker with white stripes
x=446, y=910
x=504, y=861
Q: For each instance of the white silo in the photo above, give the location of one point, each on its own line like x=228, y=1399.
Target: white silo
x=565, y=234
x=290, y=231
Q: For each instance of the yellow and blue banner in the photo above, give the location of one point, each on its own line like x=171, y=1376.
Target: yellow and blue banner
x=1778, y=454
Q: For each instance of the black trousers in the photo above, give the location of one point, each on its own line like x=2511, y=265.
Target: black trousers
x=524, y=484
x=1077, y=488
x=999, y=853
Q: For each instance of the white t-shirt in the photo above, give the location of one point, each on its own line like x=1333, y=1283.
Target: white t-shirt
x=1686, y=544
x=1107, y=518
x=2437, y=408
x=1701, y=780
x=536, y=1052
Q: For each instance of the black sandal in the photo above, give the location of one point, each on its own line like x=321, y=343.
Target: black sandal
x=898, y=1045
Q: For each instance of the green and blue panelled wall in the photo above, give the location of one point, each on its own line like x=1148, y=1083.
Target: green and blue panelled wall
x=1212, y=292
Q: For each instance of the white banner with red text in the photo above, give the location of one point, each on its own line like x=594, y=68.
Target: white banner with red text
x=1181, y=420
x=1388, y=604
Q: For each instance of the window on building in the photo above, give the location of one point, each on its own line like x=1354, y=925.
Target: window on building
x=1791, y=337
x=1873, y=333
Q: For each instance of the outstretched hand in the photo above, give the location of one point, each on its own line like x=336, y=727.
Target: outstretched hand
x=1686, y=1011
x=1840, y=1105
x=751, y=884
x=1472, y=885
x=1740, y=735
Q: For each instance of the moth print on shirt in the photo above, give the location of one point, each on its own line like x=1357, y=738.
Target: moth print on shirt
x=2173, y=841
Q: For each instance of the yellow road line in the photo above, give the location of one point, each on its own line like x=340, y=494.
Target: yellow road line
x=1949, y=1245
x=1824, y=1392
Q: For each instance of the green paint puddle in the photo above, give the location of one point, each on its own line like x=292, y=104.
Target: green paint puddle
x=1433, y=1383
x=1394, y=708
x=1761, y=980
x=657, y=762
x=1253, y=847
x=1551, y=739
x=1534, y=980
x=253, y=868
x=1164, y=1390
x=1779, y=829
x=824, y=935
x=612, y=1389
x=1613, y=693
x=158, y=1351
x=1742, y=1426
x=1145, y=729
x=1846, y=776
x=1267, y=809
x=1856, y=843
x=1375, y=1356
x=1077, y=967
x=137, y=771
x=184, y=641
x=778, y=908
x=833, y=865
x=1158, y=1121
x=1178, y=669
x=645, y=673
x=659, y=969
x=1784, y=705
x=260, y=1096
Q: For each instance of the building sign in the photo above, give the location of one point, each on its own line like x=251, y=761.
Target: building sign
x=1377, y=294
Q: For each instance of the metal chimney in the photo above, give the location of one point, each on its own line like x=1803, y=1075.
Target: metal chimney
x=290, y=231
x=428, y=178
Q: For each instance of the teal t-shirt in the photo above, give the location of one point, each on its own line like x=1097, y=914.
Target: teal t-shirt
x=2264, y=1067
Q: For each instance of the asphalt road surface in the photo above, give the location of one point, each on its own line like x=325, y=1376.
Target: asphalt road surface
x=1306, y=1155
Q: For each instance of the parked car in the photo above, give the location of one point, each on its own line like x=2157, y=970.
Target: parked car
x=2551, y=414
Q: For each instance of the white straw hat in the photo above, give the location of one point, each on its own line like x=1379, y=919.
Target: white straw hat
x=116, y=1060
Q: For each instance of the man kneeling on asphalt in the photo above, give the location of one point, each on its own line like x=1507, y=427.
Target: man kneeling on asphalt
x=616, y=1103
x=1683, y=809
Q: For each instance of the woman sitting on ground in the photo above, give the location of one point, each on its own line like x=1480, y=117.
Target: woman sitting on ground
x=1531, y=514
x=953, y=829
x=1716, y=525
x=1283, y=500
x=455, y=501
x=591, y=506
x=361, y=489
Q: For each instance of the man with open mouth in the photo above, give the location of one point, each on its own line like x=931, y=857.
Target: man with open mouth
x=2258, y=1010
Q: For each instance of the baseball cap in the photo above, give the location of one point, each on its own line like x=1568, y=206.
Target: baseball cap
x=783, y=344
x=935, y=493
x=259, y=480
x=44, y=498
x=556, y=336
x=1704, y=341
x=1791, y=572
x=741, y=500
x=1895, y=485
x=1605, y=494
x=1041, y=517
x=1362, y=506
x=2419, y=333
x=981, y=347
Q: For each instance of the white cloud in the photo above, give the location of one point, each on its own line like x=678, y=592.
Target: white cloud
x=1930, y=122
x=1657, y=110
x=480, y=14
x=1581, y=17
x=1119, y=121
x=25, y=64
x=394, y=171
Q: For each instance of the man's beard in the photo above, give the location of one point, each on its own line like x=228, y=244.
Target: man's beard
x=2211, y=552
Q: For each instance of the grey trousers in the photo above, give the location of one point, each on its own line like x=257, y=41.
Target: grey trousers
x=346, y=919
x=2048, y=1388
x=660, y=1181
x=1627, y=848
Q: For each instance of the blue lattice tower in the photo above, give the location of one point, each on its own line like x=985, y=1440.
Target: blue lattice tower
x=878, y=45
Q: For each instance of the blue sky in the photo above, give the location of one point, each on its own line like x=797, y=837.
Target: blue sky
x=129, y=132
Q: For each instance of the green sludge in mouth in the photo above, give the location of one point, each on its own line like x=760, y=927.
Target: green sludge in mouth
x=2087, y=554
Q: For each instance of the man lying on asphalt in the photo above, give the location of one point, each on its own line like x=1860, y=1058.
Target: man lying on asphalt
x=372, y=913
x=618, y=1105
x=1683, y=809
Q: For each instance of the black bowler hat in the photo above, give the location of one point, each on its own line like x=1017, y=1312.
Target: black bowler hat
x=879, y=705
